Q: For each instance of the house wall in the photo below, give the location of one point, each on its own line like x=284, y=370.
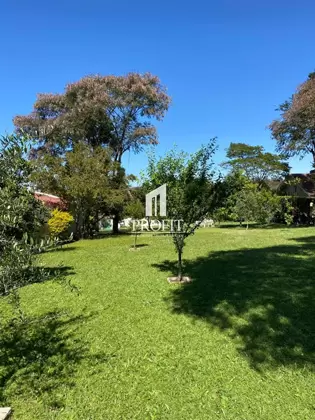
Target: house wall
x=296, y=191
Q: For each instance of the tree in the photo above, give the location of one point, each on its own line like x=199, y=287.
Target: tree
x=100, y=111
x=256, y=164
x=129, y=103
x=20, y=212
x=226, y=191
x=190, y=191
x=21, y=216
x=135, y=210
x=294, y=131
x=253, y=204
x=89, y=181
x=220, y=214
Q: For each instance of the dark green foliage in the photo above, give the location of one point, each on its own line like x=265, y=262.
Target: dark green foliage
x=226, y=192
x=258, y=165
x=89, y=181
x=21, y=217
x=254, y=204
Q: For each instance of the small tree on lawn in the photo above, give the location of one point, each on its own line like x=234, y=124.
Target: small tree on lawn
x=135, y=210
x=190, y=191
x=253, y=204
x=220, y=214
x=246, y=205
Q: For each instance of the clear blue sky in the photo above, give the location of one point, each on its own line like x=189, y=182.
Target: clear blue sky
x=227, y=64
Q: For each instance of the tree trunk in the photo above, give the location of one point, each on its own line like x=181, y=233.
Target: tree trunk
x=135, y=245
x=180, y=266
x=78, y=227
x=247, y=225
x=116, y=224
x=97, y=223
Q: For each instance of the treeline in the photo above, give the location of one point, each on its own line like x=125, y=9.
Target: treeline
x=80, y=136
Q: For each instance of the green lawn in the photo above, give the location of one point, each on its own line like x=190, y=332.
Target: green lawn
x=238, y=343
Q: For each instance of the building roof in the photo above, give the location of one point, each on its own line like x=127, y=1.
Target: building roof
x=273, y=184
x=48, y=199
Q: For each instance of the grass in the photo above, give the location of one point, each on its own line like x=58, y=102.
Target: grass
x=238, y=343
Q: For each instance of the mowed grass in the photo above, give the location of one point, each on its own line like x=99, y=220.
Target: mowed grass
x=237, y=343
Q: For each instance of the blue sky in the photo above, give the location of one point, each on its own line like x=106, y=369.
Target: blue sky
x=227, y=64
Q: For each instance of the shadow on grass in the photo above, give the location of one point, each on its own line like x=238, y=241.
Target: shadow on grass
x=64, y=248
x=38, y=274
x=260, y=226
x=110, y=234
x=53, y=272
x=61, y=271
x=39, y=357
x=306, y=240
x=263, y=298
x=139, y=246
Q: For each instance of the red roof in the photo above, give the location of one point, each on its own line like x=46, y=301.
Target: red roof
x=48, y=199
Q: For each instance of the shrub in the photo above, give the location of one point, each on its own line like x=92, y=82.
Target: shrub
x=59, y=223
x=21, y=216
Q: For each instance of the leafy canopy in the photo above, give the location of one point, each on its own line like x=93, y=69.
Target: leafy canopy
x=190, y=189
x=294, y=131
x=256, y=164
x=89, y=180
x=254, y=204
x=99, y=110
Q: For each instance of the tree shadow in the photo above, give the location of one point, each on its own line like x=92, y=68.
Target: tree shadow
x=139, y=246
x=39, y=357
x=252, y=226
x=63, y=248
x=39, y=274
x=62, y=270
x=305, y=240
x=110, y=234
x=263, y=298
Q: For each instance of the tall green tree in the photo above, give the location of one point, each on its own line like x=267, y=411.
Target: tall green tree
x=294, y=131
x=89, y=180
x=256, y=164
x=226, y=191
x=190, y=191
x=101, y=111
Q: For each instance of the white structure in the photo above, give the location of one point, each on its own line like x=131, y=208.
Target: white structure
x=155, y=194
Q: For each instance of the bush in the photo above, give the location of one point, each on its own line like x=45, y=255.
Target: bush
x=21, y=216
x=59, y=223
x=254, y=204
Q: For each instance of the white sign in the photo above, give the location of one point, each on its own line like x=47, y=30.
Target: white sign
x=154, y=195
